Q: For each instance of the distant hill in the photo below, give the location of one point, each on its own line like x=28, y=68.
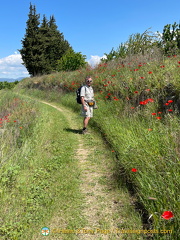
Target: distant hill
x=11, y=79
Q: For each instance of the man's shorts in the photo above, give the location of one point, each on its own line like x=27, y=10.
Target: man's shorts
x=88, y=113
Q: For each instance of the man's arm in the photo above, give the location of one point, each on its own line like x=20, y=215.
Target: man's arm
x=83, y=103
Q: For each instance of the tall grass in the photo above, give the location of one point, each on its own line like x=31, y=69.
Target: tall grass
x=138, y=115
x=36, y=158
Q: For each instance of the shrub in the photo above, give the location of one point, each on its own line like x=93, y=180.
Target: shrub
x=71, y=61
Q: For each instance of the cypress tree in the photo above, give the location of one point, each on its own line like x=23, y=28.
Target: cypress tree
x=42, y=44
x=58, y=46
x=31, y=52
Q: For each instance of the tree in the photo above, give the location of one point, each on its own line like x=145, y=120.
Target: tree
x=136, y=44
x=31, y=52
x=171, y=38
x=71, y=61
x=42, y=45
x=57, y=45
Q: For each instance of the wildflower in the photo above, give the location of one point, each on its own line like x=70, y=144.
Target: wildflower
x=15, y=121
x=170, y=110
x=162, y=66
x=132, y=107
x=153, y=113
x=158, y=118
x=136, y=92
x=150, y=72
x=170, y=101
x=142, y=103
x=142, y=77
x=134, y=170
x=150, y=100
x=136, y=70
x=159, y=112
x=167, y=215
x=20, y=127
x=149, y=129
x=179, y=62
x=166, y=104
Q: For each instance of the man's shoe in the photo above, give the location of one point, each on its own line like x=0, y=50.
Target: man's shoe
x=84, y=131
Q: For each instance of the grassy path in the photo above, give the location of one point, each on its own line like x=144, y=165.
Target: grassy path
x=105, y=207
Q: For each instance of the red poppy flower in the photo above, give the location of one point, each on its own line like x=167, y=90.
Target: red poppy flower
x=170, y=110
x=132, y=107
x=143, y=103
x=136, y=70
x=159, y=112
x=170, y=101
x=150, y=100
x=167, y=215
x=153, y=113
x=134, y=170
x=162, y=66
x=158, y=118
x=166, y=104
x=136, y=92
x=179, y=62
x=150, y=72
x=142, y=77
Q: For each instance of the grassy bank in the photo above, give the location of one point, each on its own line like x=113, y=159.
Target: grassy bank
x=139, y=116
x=36, y=160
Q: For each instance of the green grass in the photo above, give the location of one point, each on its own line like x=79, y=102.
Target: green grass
x=139, y=139
x=40, y=175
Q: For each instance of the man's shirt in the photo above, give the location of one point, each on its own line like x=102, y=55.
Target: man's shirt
x=87, y=92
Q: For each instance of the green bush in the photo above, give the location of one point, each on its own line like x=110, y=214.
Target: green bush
x=71, y=61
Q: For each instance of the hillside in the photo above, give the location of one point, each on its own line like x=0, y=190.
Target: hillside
x=138, y=118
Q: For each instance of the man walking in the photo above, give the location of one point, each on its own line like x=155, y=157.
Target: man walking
x=87, y=100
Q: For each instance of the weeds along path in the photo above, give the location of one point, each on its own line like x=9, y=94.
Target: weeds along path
x=105, y=207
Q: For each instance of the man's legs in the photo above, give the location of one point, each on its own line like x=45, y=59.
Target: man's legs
x=85, y=122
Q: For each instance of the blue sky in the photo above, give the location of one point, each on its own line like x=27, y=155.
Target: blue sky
x=91, y=27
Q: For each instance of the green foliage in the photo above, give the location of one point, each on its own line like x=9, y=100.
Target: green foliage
x=136, y=44
x=41, y=177
x=71, y=61
x=171, y=38
x=143, y=134
x=8, y=85
x=42, y=45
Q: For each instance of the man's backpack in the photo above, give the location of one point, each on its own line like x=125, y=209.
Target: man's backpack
x=78, y=92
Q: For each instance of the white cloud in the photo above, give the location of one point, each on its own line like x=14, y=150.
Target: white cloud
x=11, y=67
x=95, y=60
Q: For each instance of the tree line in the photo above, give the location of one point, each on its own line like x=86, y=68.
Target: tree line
x=44, y=48
x=8, y=85
x=168, y=43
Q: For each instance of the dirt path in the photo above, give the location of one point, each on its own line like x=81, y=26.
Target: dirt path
x=103, y=200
